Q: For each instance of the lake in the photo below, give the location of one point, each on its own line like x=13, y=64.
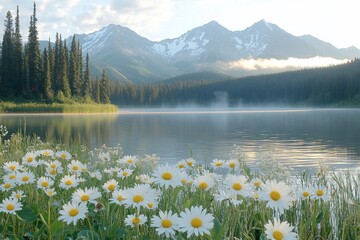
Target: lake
x=297, y=137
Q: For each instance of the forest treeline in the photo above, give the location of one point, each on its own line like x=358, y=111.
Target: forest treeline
x=328, y=86
x=57, y=73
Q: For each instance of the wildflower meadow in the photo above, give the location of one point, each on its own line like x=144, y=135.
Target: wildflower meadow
x=50, y=190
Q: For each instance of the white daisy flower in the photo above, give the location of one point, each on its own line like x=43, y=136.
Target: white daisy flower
x=140, y=196
x=50, y=192
x=195, y=221
x=128, y=160
x=237, y=185
x=25, y=178
x=12, y=167
x=68, y=181
x=152, y=204
x=165, y=223
x=304, y=192
x=181, y=164
x=47, y=153
x=72, y=212
x=185, y=178
x=110, y=185
x=75, y=166
x=7, y=185
x=53, y=172
x=96, y=174
x=204, y=182
x=104, y=156
x=19, y=194
x=132, y=220
x=277, y=195
x=10, y=205
x=65, y=155
x=118, y=196
x=124, y=173
x=321, y=192
x=232, y=164
x=12, y=176
x=256, y=183
x=227, y=197
x=29, y=159
x=145, y=178
x=167, y=176
x=279, y=231
x=190, y=162
x=87, y=195
x=44, y=182
x=217, y=164
x=54, y=164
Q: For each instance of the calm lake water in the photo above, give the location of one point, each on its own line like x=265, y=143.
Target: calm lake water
x=298, y=137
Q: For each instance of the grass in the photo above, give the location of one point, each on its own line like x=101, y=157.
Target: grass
x=336, y=218
x=8, y=107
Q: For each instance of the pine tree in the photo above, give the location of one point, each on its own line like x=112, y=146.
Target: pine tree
x=96, y=90
x=104, y=88
x=51, y=57
x=87, y=81
x=63, y=73
x=74, y=70
x=34, y=57
x=19, y=81
x=7, y=58
x=48, y=92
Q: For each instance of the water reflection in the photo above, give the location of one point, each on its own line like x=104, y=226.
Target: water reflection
x=298, y=137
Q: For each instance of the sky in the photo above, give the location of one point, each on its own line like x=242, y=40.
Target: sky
x=333, y=21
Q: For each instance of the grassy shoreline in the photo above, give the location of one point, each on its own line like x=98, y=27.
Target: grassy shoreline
x=9, y=107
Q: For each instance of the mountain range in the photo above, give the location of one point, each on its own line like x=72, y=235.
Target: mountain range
x=128, y=56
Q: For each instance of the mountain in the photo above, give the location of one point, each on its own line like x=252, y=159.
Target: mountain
x=128, y=56
x=199, y=76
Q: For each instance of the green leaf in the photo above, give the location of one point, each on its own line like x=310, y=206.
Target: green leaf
x=88, y=234
x=27, y=215
x=40, y=232
x=216, y=232
x=320, y=217
x=57, y=228
x=263, y=236
x=121, y=232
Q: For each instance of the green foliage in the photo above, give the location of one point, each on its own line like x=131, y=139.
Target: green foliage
x=104, y=88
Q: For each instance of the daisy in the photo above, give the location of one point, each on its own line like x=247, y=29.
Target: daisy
x=63, y=155
x=140, y=195
x=129, y=160
x=96, y=175
x=145, y=178
x=152, y=204
x=217, y=164
x=167, y=176
x=195, y=221
x=7, y=185
x=12, y=176
x=12, y=167
x=165, y=223
x=104, y=156
x=237, y=185
x=185, y=178
x=279, y=231
x=110, y=185
x=87, y=195
x=54, y=164
x=232, y=164
x=29, y=159
x=124, y=173
x=320, y=192
x=47, y=153
x=228, y=197
x=190, y=162
x=72, y=212
x=132, y=220
x=44, y=182
x=277, y=195
x=181, y=164
x=26, y=177
x=118, y=196
x=10, y=205
x=204, y=182
x=19, y=194
x=53, y=172
x=68, y=181
x=304, y=192
x=75, y=166
x=50, y=192
x=256, y=183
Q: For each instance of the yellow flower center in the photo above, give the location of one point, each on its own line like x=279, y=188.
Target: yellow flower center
x=167, y=176
x=190, y=164
x=120, y=198
x=111, y=187
x=7, y=185
x=10, y=207
x=136, y=221
x=73, y=212
x=320, y=192
x=256, y=196
x=30, y=159
x=125, y=174
x=63, y=156
x=12, y=167
x=183, y=181
x=53, y=165
x=257, y=184
x=53, y=171
x=44, y=184
x=306, y=194
x=166, y=223
x=237, y=186
x=85, y=198
x=181, y=165
x=218, y=164
x=130, y=161
x=150, y=205
x=68, y=182
x=278, y=235
x=232, y=165
x=12, y=177
x=275, y=195
x=18, y=196
x=75, y=168
x=203, y=185
x=196, y=222
x=25, y=178
x=138, y=198
x=46, y=154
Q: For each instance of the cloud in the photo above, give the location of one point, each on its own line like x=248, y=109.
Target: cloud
x=276, y=64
